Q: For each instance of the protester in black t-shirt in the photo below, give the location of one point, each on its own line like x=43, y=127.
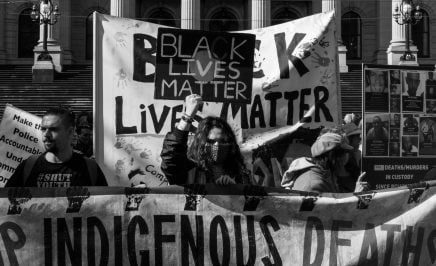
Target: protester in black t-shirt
x=59, y=166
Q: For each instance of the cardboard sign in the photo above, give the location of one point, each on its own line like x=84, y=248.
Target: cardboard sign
x=207, y=225
x=20, y=137
x=218, y=66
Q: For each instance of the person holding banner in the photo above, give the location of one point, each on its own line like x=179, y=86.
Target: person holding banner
x=59, y=166
x=213, y=156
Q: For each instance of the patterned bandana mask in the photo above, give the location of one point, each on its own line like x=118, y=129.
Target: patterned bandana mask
x=217, y=152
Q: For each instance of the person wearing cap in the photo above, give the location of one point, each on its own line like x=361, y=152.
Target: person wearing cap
x=316, y=174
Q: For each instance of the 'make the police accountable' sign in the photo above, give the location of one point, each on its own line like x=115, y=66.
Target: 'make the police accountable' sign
x=216, y=65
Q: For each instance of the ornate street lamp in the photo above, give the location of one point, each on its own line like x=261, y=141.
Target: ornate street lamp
x=404, y=15
x=46, y=15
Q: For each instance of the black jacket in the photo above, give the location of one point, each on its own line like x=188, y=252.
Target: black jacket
x=175, y=163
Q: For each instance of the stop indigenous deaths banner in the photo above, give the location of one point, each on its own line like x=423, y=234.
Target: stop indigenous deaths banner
x=294, y=83
x=209, y=225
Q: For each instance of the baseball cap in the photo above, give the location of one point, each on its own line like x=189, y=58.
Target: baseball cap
x=328, y=142
x=351, y=129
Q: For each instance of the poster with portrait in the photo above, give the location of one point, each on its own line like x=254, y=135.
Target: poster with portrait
x=376, y=90
x=427, y=135
x=395, y=90
x=377, y=134
x=413, y=91
x=430, y=92
x=399, y=144
x=409, y=124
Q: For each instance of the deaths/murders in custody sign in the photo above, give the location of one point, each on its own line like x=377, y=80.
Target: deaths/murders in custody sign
x=399, y=125
x=201, y=226
x=20, y=137
x=264, y=82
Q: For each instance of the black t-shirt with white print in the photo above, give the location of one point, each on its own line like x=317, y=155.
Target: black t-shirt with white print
x=74, y=172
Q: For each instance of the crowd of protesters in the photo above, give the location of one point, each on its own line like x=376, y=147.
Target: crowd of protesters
x=212, y=156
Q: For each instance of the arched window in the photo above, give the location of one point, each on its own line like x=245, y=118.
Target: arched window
x=223, y=20
x=162, y=17
x=421, y=35
x=352, y=34
x=89, y=36
x=28, y=34
x=284, y=15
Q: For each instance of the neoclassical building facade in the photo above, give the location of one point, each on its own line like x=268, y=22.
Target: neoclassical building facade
x=367, y=31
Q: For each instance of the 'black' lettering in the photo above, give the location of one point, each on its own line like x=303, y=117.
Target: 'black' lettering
x=391, y=229
x=142, y=56
x=64, y=240
x=159, y=238
x=239, y=243
x=270, y=241
x=409, y=248
x=187, y=240
x=91, y=224
x=12, y=243
x=219, y=221
x=320, y=104
x=119, y=127
x=335, y=241
x=320, y=241
x=369, y=243
x=136, y=221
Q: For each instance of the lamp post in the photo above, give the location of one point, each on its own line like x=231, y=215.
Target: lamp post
x=46, y=15
x=404, y=15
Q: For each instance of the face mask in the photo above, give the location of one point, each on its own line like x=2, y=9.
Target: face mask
x=217, y=152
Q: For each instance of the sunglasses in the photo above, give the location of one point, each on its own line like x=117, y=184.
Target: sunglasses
x=213, y=141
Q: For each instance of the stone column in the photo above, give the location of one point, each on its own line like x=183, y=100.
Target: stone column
x=398, y=42
x=190, y=14
x=328, y=5
x=64, y=27
x=260, y=11
x=384, y=16
x=123, y=8
x=2, y=34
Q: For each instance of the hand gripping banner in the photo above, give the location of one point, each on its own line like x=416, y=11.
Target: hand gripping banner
x=265, y=82
x=209, y=225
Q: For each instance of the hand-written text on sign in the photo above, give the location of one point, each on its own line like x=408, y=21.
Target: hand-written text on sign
x=218, y=66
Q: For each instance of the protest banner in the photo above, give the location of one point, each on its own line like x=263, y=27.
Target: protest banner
x=20, y=137
x=399, y=140
x=294, y=85
x=216, y=65
x=208, y=225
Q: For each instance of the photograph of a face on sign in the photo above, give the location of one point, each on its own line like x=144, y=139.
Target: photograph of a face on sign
x=376, y=91
x=377, y=134
x=413, y=91
x=427, y=135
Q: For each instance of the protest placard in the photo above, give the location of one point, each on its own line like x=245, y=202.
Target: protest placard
x=20, y=137
x=208, y=225
x=216, y=65
x=399, y=140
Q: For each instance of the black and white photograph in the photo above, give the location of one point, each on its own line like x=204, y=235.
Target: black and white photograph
x=195, y=132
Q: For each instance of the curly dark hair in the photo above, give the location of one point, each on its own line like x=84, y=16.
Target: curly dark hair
x=234, y=163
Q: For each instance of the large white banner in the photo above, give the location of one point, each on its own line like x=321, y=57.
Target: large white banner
x=208, y=225
x=20, y=137
x=295, y=83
